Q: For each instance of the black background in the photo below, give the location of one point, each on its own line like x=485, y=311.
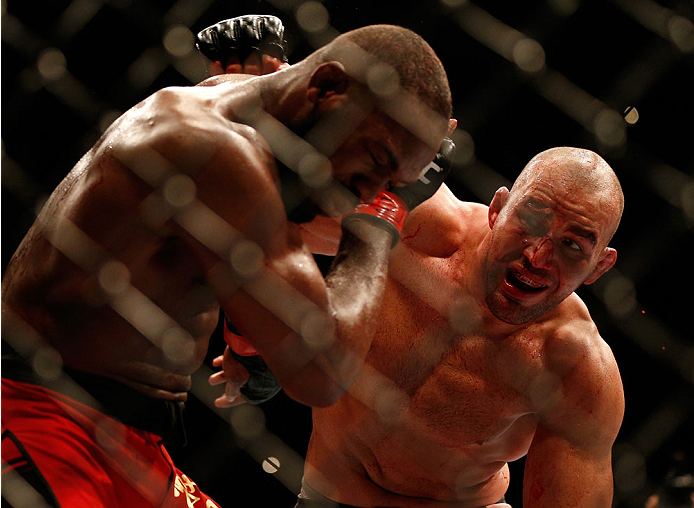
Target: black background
x=598, y=46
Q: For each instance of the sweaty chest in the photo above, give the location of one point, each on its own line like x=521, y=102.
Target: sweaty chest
x=461, y=388
x=456, y=420
x=465, y=400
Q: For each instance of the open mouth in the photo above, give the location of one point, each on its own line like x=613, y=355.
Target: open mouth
x=524, y=283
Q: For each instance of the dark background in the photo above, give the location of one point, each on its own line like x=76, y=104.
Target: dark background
x=70, y=67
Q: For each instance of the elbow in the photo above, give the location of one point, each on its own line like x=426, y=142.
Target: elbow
x=315, y=391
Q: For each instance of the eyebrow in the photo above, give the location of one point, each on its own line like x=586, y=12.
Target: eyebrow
x=539, y=206
x=585, y=233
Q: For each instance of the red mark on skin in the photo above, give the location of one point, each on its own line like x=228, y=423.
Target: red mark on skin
x=414, y=234
x=536, y=489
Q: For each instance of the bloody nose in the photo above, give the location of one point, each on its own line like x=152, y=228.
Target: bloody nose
x=540, y=252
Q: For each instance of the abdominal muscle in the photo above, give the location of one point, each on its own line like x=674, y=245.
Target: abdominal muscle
x=355, y=459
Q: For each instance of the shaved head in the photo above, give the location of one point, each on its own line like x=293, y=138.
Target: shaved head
x=580, y=171
x=550, y=233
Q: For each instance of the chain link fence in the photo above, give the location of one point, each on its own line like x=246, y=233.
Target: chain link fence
x=615, y=76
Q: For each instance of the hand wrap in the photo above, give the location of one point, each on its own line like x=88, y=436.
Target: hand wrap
x=387, y=211
x=262, y=384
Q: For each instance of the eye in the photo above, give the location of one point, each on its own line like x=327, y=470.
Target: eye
x=379, y=161
x=533, y=223
x=573, y=245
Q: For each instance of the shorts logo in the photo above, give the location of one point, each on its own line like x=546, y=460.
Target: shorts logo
x=184, y=485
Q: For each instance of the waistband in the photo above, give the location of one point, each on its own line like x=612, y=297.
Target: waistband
x=311, y=498
x=158, y=416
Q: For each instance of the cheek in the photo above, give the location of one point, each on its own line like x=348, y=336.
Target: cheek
x=509, y=247
x=571, y=277
x=344, y=163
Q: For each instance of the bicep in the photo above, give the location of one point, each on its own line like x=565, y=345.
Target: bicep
x=559, y=473
x=569, y=461
x=255, y=260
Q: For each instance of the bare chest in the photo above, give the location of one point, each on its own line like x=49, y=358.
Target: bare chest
x=442, y=420
x=457, y=388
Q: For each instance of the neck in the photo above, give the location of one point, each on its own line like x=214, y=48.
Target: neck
x=283, y=96
x=280, y=94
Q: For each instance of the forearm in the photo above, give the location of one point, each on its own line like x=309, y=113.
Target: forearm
x=314, y=344
x=322, y=235
x=327, y=353
x=355, y=284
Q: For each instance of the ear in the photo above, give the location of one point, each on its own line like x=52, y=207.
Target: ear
x=498, y=202
x=607, y=261
x=452, y=124
x=327, y=80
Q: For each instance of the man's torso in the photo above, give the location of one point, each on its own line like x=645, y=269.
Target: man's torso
x=441, y=406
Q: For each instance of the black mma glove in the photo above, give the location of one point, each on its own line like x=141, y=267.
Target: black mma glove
x=390, y=208
x=241, y=36
x=262, y=384
x=431, y=179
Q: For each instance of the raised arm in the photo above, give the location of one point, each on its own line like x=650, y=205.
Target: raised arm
x=569, y=462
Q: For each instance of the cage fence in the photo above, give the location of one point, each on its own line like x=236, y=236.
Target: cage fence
x=613, y=76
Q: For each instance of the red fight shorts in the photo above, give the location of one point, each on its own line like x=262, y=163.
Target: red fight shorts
x=77, y=457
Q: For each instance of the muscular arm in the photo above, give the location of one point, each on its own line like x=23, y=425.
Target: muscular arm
x=569, y=461
x=322, y=235
x=313, y=333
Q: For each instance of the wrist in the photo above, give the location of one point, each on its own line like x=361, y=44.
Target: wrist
x=388, y=211
x=237, y=344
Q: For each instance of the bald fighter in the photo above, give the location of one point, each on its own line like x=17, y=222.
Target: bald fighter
x=192, y=200
x=484, y=354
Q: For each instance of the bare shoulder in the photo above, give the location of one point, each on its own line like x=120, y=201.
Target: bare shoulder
x=590, y=399
x=440, y=225
x=183, y=138
x=185, y=125
x=573, y=340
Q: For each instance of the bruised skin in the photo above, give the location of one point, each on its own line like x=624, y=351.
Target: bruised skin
x=545, y=247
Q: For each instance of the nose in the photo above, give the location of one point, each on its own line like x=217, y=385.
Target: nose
x=540, y=252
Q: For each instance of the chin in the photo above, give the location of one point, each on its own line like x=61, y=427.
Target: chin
x=512, y=312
